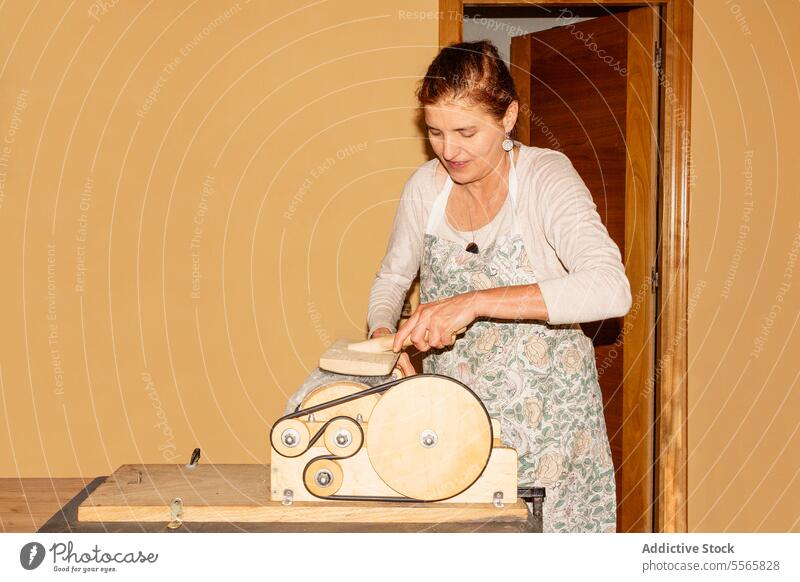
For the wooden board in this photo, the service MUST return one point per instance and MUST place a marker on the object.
(500, 475)
(341, 360)
(27, 503)
(240, 493)
(65, 520)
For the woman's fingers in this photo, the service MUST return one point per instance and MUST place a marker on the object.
(440, 338)
(403, 362)
(425, 329)
(449, 340)
(404, 331)
(405, 365)
(419, 337)
(381, 331)
(432, 337)
(419, 331)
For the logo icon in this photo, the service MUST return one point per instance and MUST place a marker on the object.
(31, 555)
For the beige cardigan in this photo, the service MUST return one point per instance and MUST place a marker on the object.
(576, 264)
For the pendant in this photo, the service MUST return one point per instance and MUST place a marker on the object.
(472, 248)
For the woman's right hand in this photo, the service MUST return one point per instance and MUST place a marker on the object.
(403, 362)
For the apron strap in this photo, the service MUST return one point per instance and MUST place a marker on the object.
(440, 204)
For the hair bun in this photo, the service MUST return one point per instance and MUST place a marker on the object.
(473, 71)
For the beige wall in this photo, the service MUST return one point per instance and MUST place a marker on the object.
(271, 160)
(744, 399)
(268, 161)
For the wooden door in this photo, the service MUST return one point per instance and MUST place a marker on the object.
(589, 89)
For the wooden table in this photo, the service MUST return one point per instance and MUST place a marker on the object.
(27, 503)
(140, 501)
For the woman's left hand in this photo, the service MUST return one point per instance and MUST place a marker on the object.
(441, 319)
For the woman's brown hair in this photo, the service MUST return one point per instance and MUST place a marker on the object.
(471, 70)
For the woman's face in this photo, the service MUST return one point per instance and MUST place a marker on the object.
(466, 138)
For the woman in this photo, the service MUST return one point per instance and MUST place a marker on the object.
(508, 242)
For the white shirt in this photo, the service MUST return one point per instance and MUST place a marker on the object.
(576, 263)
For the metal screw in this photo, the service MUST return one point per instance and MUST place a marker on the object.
(428, 438)
(175, 513)
(323, 477)
(343, 438)
(290, 437)
(498, 499)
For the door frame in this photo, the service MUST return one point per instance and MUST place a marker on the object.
(671, 397)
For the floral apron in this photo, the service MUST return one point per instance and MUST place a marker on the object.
(539, 380)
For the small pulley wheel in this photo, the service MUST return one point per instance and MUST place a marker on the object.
(323, 477)
(290, 437)
(343, 437)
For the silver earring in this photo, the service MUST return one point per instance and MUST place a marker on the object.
(508, 145)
